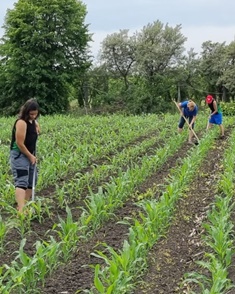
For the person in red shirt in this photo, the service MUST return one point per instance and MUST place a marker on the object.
(216, 117)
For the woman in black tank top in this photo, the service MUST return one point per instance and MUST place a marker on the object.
(23, 151)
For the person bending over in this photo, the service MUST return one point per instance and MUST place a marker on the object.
(216, 116)
(189, 111)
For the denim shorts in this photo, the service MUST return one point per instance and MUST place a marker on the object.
(22, 170)
(182, 122)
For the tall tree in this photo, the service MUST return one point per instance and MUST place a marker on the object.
(213, 63)
(187, 77)
(44, 47)
(159, 47)
(118, 51)
(227, 78)
(158, 52)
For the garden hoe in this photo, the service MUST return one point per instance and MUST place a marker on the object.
(34, 180)
(196, 143)
(208, 125)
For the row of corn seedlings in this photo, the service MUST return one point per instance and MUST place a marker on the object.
(26, 272)
(218, 235)
(124, 267)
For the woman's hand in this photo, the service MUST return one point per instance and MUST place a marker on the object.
(32, 159)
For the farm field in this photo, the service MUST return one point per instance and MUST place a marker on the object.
(123, 205)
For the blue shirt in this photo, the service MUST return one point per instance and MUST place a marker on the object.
(186, 111)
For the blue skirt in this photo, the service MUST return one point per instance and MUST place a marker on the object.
(216, 119)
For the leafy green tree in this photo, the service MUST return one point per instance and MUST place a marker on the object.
(118, 54)
(159, 47)
(145, 61)
(44, 47)
(159, 51)
(98, 85)
(227, 78)
(187, 77)
(212, 66)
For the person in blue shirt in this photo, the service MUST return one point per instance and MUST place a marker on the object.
(189, 111)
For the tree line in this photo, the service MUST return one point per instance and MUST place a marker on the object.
(44, 53)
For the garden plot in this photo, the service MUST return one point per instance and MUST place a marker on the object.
(143, 175)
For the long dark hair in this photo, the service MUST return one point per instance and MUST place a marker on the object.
(30, 105)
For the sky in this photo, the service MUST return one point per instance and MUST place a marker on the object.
(200, 20)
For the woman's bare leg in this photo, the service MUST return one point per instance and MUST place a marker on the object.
(20, 195)
(221, 130)
(28, 194)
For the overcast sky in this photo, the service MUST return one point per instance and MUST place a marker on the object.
(201, 20)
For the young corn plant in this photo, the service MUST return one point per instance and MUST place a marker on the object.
(23, 221)
(47, 256)
(26, 272)
(21, 275)
(96, 211)
(3, 232)
(8, 193)
(218, 281)
(5, 227)
(7, 207)
(40, 208)
(153, 224)
(219, 230)
(68, 234)
(121, 266)
(60, 194)
(6, 285)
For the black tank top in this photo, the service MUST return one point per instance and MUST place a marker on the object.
(211, 105)
(30, 138)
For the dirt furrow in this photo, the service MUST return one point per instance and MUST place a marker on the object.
(175, 255)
